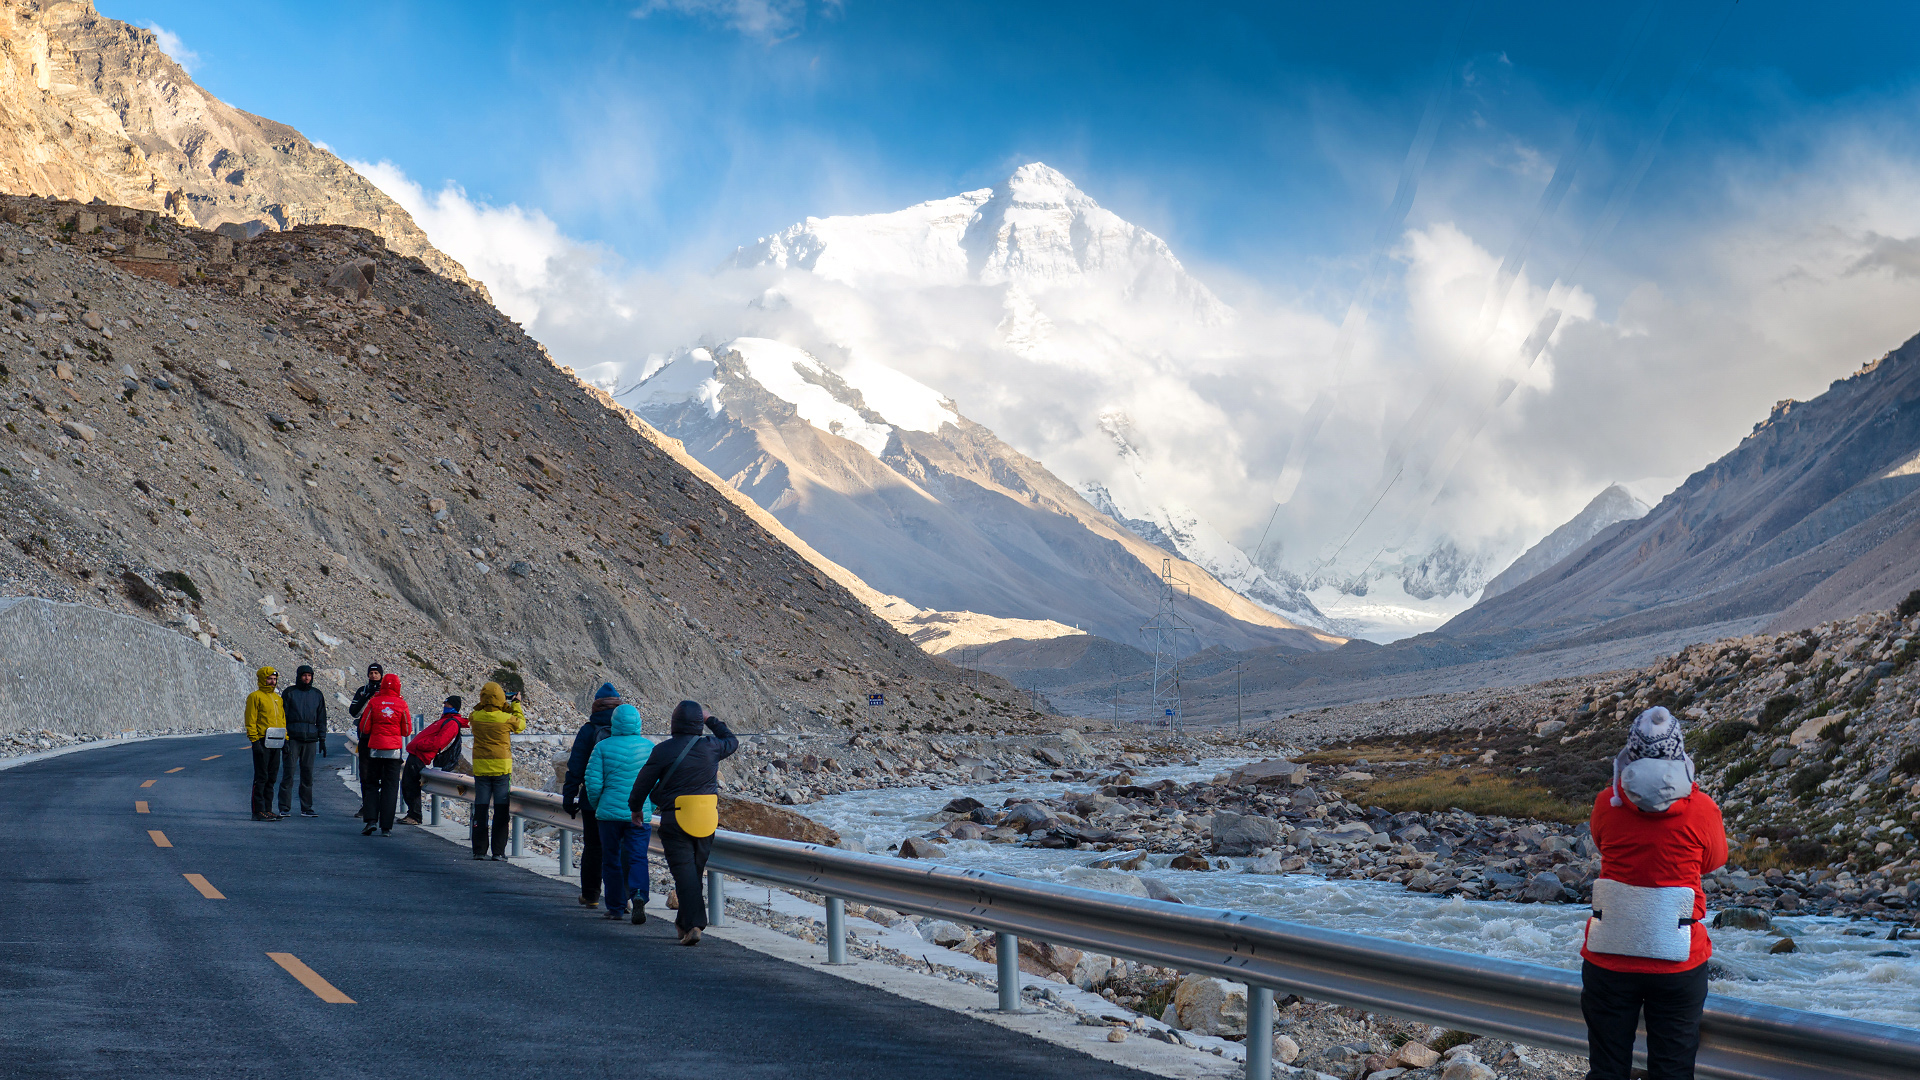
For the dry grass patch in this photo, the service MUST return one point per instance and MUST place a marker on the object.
(1472, 790)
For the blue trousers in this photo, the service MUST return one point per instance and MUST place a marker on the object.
(623, 862)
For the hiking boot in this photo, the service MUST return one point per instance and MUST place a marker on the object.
(499, 858)
(271, 816)
(479, 858)
(639, 915)
(369, 830)
(589, 901)
(386, 832)
(615, 915)
(409, 820)
(263, 817)
(691, 937)
(308, 813)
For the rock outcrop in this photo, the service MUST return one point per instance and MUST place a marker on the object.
(94, 110)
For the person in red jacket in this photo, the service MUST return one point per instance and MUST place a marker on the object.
(436, 747)
(385, 724)
(1646, 947)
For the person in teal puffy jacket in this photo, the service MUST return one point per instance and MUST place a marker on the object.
(615, 763)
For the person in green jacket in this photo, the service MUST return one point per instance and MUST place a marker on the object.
(267, 731)
(609, 780)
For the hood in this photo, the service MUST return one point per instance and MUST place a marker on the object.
(689, 718)
(626, 720)
(304, 671)
(263, 676)
(492, 697)
(390, 683)
(1654, 784)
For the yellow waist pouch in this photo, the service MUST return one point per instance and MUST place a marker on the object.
(697, 815)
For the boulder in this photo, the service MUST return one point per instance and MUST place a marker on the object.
(1466, 1068)
(1784, 945)
(353, 278)
(1415, 1055)
(141, 590)
(1270, 772)
(1205, 1005)
(1243, 834)
(945, 934)
(1130, 860)
(1285, 1050)
(915, 848)
(1157, 890)
(1093, 970)
(1050, 756)
(962, 805)
(1185, 861)
(1023, 816)
(1742, 918)
(1544, 887)
(741, 814)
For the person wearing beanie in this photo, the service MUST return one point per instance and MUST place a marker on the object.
(266, 721)
(1646, 949)
(361, 694)
(385, 724)
(599, 723)
(682, 780)
(611, 770)
(437, 746)
(495, 723)
(306, 711)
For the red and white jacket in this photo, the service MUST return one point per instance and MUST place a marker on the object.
(386, 722)
(1669, 849)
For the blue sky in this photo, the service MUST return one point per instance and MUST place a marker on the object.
(604, 157)
(1258, 137)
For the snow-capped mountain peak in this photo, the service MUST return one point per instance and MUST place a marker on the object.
(1035, 230)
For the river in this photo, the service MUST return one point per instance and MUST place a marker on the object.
(1832, 972)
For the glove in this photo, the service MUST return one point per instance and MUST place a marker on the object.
(323, 748)
(571, 806)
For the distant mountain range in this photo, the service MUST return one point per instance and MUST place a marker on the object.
(886, 478)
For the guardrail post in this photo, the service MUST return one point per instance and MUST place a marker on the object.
(716, 899)
(566, 855)
(519, 834)
(433, 811)
(836, 930)
(1259, 1033)
(1006, 955)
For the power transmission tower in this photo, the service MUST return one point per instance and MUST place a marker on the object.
(1163, 632)
(1239, 700)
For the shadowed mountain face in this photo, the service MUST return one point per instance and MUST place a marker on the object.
(93, 109)
(949, 518)
(1816, 513)
(1613, 505)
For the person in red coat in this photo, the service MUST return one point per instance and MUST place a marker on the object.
(385, 724)
(1646, 947)
(437, 747)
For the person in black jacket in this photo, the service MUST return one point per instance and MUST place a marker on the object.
(374, 674)
(306, 709)
(599, 723)
(682, 777)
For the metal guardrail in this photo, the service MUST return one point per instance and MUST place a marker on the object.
(1527, 1003)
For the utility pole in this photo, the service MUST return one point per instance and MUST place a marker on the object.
(1239, 699)
(1164, 631)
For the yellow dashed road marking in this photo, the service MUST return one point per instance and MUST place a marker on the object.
(146, 783)
(206, 889)
(180, 769)
(140, 806)
(210, 757)
(310, 979)
(159, 838)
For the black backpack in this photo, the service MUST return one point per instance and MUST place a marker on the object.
(450, 757)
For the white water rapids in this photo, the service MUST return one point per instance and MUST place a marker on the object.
(1831, 972)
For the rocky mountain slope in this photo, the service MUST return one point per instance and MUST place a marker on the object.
(1816, 488)
(1610, 507)
(93, 109)
(317, 450)
(888, 479)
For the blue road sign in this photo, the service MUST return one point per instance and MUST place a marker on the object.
(876, 701)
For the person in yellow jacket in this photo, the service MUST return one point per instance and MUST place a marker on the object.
(495, 722)
(267, 731)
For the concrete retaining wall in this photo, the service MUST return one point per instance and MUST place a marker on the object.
(79, 670)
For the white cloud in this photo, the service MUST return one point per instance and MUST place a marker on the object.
(176, 49)
(770, 19)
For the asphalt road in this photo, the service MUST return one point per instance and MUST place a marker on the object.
(114, 963)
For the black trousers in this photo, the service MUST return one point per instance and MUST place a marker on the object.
(366, 805)
(590, 854)
(1612, 1002)
(687, 862)
(299, 754)
(266, 766)
(380, 784)
(410, 785)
